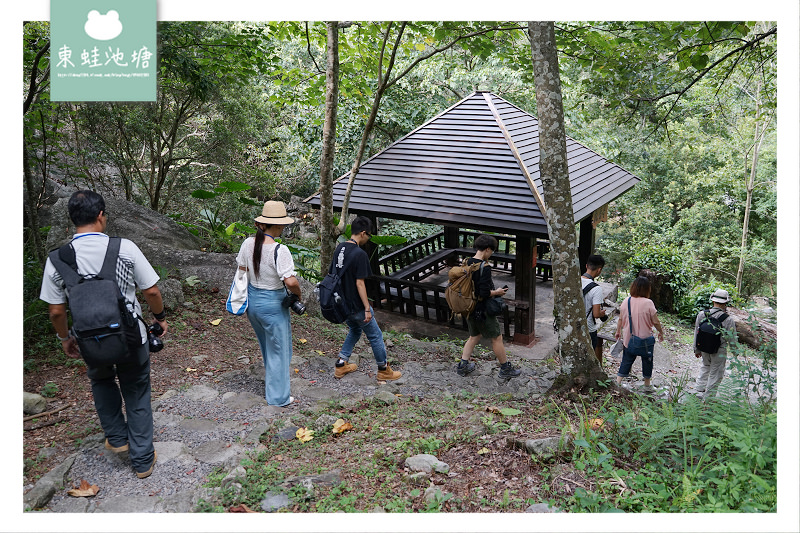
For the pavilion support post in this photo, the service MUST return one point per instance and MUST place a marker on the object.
(371, 284)
(585, 242)
(525, 279)
(451, 241)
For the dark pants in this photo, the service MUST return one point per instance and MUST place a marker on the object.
(134, 388)
(627, 362)
(597, 345)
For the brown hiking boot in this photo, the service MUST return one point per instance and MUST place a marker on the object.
(388, 374)
(116, 449)
(340, 371)
(142, 475)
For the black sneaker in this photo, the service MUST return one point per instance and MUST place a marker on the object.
(507, 371)
(465, 367)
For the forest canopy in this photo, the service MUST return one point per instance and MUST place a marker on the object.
(688, 107)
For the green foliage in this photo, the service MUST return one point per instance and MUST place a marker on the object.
(49, 390)
(665, 261)
(755, 370)
(698, 298)
(306, 261)
(695, 457)
(219, 235)
(37, 333)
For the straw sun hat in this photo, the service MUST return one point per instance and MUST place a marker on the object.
(274, 213)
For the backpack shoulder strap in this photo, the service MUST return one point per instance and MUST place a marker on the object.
(63, 260)
(109, 269)
(589, 286)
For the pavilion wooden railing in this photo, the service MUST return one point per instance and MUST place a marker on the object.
(398, 284)
(401, 264)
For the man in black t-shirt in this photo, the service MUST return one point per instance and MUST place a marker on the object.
(352, 265)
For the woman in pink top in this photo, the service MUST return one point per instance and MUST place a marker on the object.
(643, 317)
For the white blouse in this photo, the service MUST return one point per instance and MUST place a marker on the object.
(270, 278)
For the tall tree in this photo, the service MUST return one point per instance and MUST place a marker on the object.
(326, 224)
(37, 75)
(578, 364)
(446, 36)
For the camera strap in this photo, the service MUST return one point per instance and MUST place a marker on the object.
(275, 258)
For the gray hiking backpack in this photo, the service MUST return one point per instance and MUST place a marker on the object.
(106, 330)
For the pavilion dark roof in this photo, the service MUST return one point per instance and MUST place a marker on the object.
(476, 165)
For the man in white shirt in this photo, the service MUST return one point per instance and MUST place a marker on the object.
(132, 432)
(593, 301)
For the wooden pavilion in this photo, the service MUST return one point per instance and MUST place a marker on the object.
(474, 166)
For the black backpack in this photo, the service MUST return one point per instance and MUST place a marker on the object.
(332, 303)
(106, 331)
(709, 333)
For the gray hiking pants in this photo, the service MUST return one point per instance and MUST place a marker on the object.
(711, 373)
(134, 388)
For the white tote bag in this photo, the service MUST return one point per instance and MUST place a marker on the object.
(237, 296)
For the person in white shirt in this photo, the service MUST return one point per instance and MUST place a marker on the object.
(267, 275)
(133, 431)
(593, 301)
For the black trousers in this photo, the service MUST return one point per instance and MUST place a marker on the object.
(129, 381)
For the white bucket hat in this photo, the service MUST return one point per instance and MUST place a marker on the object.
(720, 296)
(274, 213)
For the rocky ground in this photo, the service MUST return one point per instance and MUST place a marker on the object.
(209, 408)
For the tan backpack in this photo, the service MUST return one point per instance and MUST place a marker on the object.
(460, 291)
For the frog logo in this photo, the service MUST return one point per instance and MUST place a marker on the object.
(103, 27)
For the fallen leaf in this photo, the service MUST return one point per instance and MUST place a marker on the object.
(296, 371)
(84, 490)
(340, 426)
(191, 369)
(303, 341)
(304, 434)
(483, 451)
(241, 508)
(320, 352)
(508, 411)
(595, 423)
(215, 322)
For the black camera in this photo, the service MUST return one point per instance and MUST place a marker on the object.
(292, 301)
(153, 339)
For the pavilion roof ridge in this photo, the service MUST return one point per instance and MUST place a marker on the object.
(476, 165)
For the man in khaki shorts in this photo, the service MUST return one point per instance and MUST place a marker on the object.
(479, 324)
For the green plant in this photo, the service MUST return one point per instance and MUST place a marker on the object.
(221, 236)
(683, 456)
(754, 370)
(666, 261)
(49, 390)
(698, 298)
(191, 281)
(37, 332)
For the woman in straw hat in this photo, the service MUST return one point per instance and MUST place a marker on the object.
(268, 274)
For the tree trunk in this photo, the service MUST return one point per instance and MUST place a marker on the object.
(579, 366)
(327, 229)
(32, 210)
(758, 139)
(383, 83)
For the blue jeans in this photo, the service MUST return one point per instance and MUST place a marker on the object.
(355, 323)
(273, 328)
(627, 362)
(136, 426)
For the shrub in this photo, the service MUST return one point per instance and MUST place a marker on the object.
(698, 298)
(665, 261)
